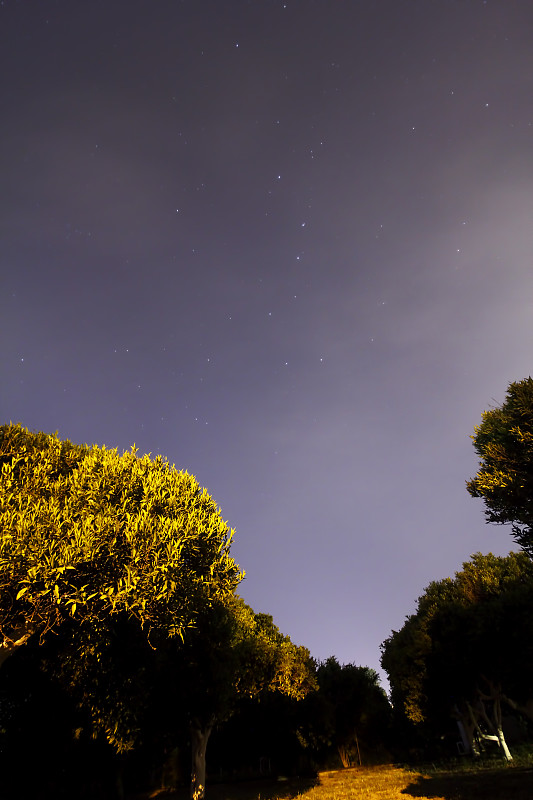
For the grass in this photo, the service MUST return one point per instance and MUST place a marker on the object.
(485, 782)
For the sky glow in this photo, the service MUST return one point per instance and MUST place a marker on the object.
(288, 247)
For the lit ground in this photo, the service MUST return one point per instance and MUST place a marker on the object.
(384, 783)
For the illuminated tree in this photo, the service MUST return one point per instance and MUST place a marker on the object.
(118, 555)
(504, 442)
(86, 533)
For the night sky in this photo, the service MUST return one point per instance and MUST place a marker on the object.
(287, 245)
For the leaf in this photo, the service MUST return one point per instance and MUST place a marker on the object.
(22, 592)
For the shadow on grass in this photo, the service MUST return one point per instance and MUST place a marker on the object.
(511, 783)
(246, 790)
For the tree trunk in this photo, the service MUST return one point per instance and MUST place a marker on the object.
(497, 713)
(467, 721)
(199, 737)
(494, 725)
(344, 756)
(503, 744)
(358, 751)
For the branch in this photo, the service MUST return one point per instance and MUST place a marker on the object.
(9, 646)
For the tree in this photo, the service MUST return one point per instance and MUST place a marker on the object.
(136, 696)
(89, 534)
(504, 442)
(233, 653)
(467, 649)
(108, 550)
(349, 712)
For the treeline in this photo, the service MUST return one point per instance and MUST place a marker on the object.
(345, 721)
(125, 648)
(461, 667)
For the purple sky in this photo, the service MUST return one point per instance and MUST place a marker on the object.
(286, 244)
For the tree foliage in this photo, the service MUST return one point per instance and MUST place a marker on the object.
(232, 654)
(467, 648)
(135, 695)
(504, 443)
(88, 533)
(126, 560)
(349, 713)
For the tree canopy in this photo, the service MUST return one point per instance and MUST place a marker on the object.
(127, 561)
(349, 713)
(467, 648)
(232, 654)
(504, 443)
(88, 533)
